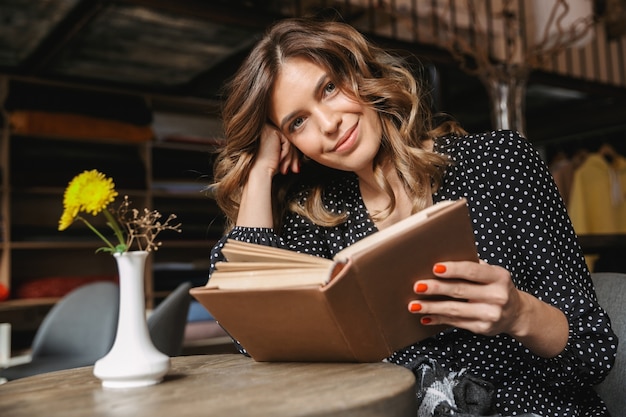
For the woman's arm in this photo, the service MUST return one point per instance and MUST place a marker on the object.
(527, 231)
(255, 221)
(275, 153)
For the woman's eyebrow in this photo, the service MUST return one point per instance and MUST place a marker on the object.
(318, 86)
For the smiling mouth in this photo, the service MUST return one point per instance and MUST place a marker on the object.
(347, 140)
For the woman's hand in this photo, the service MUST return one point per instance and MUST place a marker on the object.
(276, 154)
(486, 302)
(492, 305)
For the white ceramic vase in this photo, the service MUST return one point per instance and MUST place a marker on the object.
(133, 361)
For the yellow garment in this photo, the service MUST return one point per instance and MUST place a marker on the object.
(597, 204)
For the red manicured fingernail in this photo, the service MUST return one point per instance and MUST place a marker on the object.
(415, 307)
(439, 269)
(426, 320)
(421, 287)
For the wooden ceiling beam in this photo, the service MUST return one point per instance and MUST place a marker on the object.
(253, 17)
(60, 36)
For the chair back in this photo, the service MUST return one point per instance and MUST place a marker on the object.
(167, 322)
(82, 324)
(611, 291)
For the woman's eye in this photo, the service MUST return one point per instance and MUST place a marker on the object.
(330, 87)
(297, 122)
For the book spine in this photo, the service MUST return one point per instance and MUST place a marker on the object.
(355, 317)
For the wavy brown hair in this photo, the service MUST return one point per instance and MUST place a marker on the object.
(361, 70)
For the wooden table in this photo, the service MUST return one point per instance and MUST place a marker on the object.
(221, 385)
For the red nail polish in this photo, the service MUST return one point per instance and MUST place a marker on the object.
(421, 287)
(439, 269)
(426, 320)
(415, 307)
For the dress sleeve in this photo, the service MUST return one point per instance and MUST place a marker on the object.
(553, 267)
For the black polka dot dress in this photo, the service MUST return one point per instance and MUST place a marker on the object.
(521, 224)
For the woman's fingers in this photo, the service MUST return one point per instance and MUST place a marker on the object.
(466, 281)
(478, 272)
(289, 157)
(474, 296)
(276, 153)
(480, 318)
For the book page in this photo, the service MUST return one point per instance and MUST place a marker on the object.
(236, 266)
(236, 251)
(266, 279)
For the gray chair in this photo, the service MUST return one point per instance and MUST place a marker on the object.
(76, 332)
(611, 290)
(167, 322)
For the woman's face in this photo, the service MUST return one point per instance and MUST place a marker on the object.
(321, 121)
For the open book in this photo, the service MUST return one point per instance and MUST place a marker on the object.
(286, 306)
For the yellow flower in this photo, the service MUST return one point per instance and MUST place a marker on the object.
(68, 217)
(90, 192)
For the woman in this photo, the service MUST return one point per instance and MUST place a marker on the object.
(329, 139)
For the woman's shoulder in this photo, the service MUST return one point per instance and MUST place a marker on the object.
(497, 137)
(492, 142)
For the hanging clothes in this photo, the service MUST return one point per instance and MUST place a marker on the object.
(597, 204)
(562, 170)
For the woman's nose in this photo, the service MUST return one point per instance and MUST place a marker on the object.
(329, 120)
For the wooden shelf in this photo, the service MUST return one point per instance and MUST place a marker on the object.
(166, 176)
(25, 303)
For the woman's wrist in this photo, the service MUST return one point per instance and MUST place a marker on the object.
(540, 327)
(255, 209)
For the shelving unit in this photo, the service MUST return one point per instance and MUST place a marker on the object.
(167, 176)
(180, 175)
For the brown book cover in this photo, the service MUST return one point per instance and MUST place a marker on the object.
(356, 310)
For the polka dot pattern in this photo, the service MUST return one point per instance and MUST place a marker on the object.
(521, 224)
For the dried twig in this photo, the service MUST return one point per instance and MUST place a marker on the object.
(143, 228)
